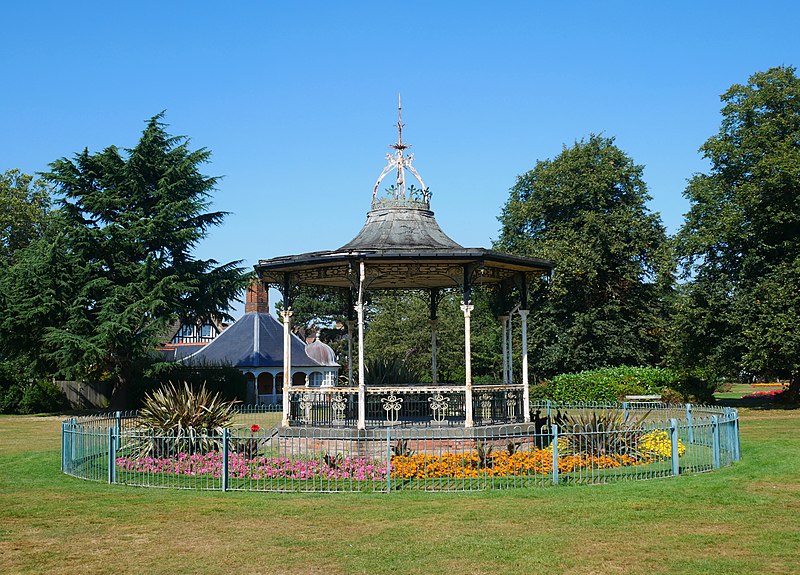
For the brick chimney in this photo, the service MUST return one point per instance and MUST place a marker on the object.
(257, 297)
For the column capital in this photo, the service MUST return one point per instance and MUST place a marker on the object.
(467, 309)
(524, 312)
(287, 314)
(503, 317)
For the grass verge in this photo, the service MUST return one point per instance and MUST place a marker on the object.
(740, 519)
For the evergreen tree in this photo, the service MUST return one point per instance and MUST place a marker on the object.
(98, 297)
(740, 243)
(605, 304)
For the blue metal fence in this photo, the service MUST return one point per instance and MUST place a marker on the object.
(564, 444)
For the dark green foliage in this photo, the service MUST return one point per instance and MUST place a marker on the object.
(19, 393)
(697, 386)
(606, 303)
(740, 244)
(227, 381)
(398, 327)
(389, 371)
(96, 296)
(609, 384)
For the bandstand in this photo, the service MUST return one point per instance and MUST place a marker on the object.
(402, 247)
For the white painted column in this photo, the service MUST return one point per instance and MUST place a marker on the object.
(362, 384)
(526, 392)
(504, 323)
(467, 309)
(350, 353)
(434, 329)
(287, 363)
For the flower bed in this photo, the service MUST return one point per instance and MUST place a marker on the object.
(242, 467)
(762, 394)
(654, 446)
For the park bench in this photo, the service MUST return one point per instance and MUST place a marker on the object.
(643, 398)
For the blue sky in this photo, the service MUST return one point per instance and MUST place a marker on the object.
(297, 101)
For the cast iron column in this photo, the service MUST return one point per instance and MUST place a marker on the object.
(287, 363)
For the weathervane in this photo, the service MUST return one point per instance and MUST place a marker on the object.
(396, 195)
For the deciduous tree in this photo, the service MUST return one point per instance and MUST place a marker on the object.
(740, 243)
(586, 210)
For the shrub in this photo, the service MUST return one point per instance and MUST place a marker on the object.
(41, 397)
(610, 384)
(21, 393)
(697, 386)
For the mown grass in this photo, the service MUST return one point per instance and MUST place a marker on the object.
(741, 519)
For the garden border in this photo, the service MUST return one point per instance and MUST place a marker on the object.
(256, 454)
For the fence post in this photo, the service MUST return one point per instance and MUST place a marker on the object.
(737, 448)
(118, 416)
(388, 460)
(548, 410)
(112, 456)
(554, 444)
(715, 433)
(225, 437)
(673, 427)
(63, 446)
(690, 430)
(624, 410)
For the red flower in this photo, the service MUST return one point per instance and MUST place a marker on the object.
(254, 427)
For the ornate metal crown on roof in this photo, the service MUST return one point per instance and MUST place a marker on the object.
(398, 195)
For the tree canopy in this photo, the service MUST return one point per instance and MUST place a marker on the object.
(98, 294)
(740, 243)
(606, 302)
(24, 206)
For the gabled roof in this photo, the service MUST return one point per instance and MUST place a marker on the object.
(254, 340)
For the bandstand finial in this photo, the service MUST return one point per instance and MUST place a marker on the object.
(398, 195)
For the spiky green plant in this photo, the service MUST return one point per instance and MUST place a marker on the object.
(602, 432)
(178, 419)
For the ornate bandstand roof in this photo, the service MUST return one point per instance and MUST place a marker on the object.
(401, 243)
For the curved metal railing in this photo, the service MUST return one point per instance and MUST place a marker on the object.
(563, 444)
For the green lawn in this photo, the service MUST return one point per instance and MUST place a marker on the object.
(741, 519)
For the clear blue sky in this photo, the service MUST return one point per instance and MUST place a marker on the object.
(297, 100)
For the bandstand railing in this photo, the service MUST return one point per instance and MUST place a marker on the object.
(405, 405)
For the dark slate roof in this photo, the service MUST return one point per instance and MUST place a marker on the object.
(254, 340)
(401, 229)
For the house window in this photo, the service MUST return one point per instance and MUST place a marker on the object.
(315, 379)
(207, 330)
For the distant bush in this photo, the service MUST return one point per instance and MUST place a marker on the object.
(697, 386)
(227, 381)
(21, 394)
(609, 384)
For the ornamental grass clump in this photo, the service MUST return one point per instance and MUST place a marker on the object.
(177, 419)
(603, 432)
